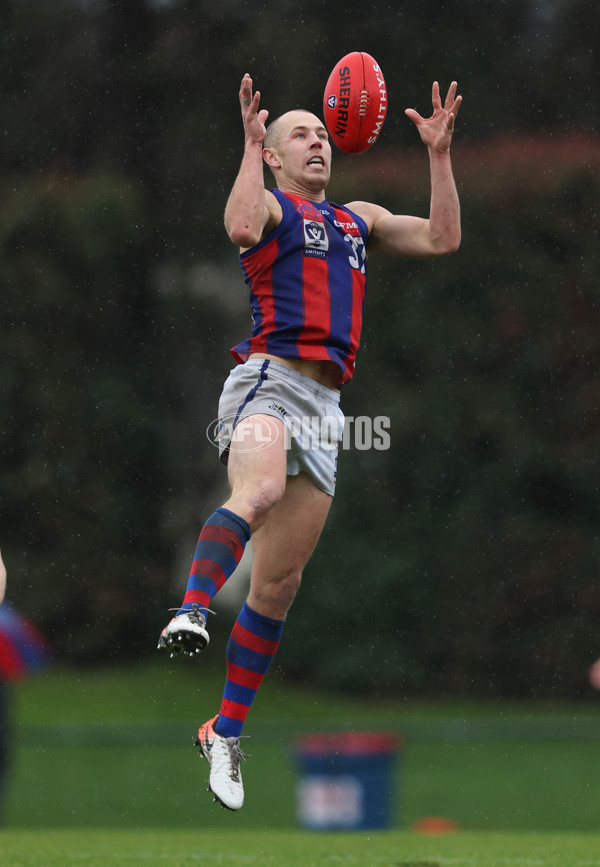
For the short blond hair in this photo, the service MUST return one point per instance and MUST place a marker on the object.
(274, 129)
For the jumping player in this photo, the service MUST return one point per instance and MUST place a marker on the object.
(304, 259)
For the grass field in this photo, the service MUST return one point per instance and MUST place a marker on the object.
(104, 773)
(104, 848)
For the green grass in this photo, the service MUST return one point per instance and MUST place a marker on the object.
(481, 786)
(102, 848)
(111, 748)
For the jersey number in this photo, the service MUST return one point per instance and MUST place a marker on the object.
(359, 254)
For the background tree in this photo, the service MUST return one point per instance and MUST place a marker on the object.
(464, 559)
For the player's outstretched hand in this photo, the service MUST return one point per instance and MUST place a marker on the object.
(436, 131)
(254, 120)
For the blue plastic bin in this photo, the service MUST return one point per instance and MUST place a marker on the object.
(347, 780)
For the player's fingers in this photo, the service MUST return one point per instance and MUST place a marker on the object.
(246, 91)
(413, 115)
(456, 106)
(450, 98)
(435, 95)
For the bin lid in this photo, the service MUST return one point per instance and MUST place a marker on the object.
(347, 743)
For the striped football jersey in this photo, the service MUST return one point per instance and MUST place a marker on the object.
(307, 282)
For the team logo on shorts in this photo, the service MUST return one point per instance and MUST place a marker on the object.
(316, 242)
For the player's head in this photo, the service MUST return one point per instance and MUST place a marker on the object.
(298, 152)
(278, 127)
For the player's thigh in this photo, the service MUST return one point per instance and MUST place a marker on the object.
(285, 542)
(257, 456)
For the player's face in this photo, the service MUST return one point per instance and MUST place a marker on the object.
(304, 151)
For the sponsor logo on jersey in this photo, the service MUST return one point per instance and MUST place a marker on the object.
(350, 227)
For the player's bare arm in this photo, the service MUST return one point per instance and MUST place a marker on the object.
(251, 210)
(413, 237)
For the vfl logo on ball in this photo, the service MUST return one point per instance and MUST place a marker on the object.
(332, 100)
(316, 242)
(252, 434)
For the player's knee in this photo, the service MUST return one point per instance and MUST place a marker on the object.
(275, 597)
(283, 592)
(262, 499)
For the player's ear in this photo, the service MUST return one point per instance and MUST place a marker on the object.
(271, 158)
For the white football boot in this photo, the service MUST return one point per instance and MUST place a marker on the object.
(186, 633)
(224, 757)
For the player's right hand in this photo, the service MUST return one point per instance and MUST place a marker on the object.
(254, 120)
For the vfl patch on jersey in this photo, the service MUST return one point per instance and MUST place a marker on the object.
(316, 242)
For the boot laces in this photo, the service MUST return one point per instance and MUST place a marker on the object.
(195, 613)
(236, 755)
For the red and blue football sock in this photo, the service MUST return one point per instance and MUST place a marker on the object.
(253, 643)
(220, 547)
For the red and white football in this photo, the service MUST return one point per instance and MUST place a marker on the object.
(355, 102)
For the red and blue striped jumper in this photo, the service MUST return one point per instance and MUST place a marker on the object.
(307, 282)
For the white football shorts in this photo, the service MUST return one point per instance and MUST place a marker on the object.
(314, 422)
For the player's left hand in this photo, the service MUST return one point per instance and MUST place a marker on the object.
(436, 131)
